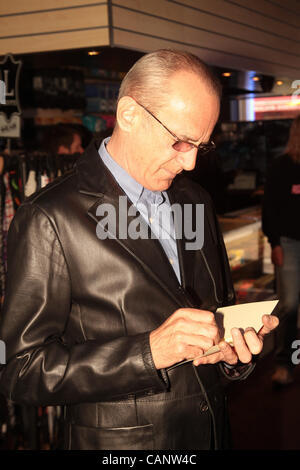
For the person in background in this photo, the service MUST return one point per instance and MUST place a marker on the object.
(63, 139)
(281, 210)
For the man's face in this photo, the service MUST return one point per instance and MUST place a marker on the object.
(191, 113)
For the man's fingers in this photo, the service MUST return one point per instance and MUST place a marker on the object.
(211, 359)
(240, 346)
(244, 344)
(189, 326)
(184, 335)
(192, 352)
(253, 341)
(270, 322)
(184, 341)
(194, 314)
(228, 352)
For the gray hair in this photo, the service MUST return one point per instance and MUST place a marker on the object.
(147, 80)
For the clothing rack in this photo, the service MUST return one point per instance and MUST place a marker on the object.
(22, 174)
(41, 163)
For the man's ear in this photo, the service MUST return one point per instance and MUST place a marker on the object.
(126, 113)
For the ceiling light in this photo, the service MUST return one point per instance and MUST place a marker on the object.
(226, 74)
(279, 82)
(93, 53)
(256, 78)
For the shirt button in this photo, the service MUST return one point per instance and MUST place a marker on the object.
(203, 407)
(171, 260)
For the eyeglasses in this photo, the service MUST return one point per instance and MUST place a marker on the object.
(182, 145)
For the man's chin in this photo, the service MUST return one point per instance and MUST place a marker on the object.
(163, 185)
(160, 185)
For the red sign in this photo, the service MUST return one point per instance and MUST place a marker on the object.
(275, 107)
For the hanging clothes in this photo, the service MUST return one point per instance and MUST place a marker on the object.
(9, 210)
(45, 179)
(21, 175)
(31, 184)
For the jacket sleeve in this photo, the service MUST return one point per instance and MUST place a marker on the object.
(41, 368)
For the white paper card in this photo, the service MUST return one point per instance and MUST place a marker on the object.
(241, 316)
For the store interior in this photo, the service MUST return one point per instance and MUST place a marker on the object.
(79, 88)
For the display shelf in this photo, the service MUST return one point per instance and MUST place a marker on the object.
(249, 255)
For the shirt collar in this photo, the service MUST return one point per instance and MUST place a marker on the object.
(134, 190)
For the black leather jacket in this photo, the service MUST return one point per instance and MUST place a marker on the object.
(78, 312)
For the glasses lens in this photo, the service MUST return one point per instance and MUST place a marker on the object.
(181, 146)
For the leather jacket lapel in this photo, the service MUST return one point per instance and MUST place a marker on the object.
(94, 179)
(186, 257)
(147, 251)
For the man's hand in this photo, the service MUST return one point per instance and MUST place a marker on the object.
(244, 345)
(186, 334)
(189, 332)
(277, 255)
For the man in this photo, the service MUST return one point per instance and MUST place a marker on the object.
(105, 324)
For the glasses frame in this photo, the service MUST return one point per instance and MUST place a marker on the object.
(203, 148)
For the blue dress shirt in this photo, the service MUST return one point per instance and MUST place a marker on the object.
(154, 206)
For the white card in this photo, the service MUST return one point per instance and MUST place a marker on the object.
(241, 316)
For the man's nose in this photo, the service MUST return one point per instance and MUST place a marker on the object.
(188, 159)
